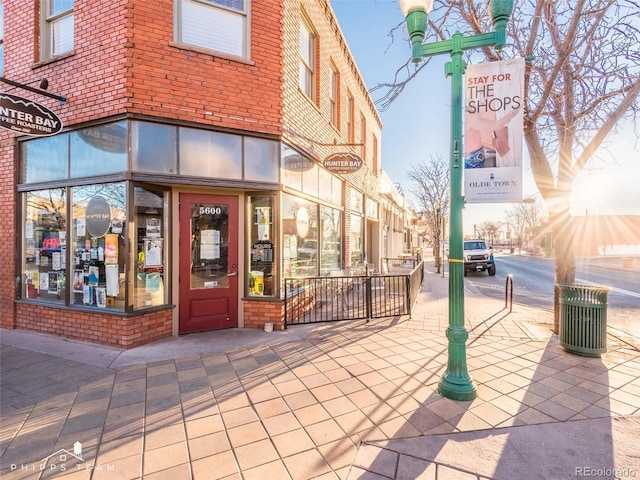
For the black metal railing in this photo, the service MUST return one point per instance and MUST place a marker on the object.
(361, 294)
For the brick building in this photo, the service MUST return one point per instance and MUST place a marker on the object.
(187, 179)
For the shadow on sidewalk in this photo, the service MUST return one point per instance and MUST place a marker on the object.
(540, 413)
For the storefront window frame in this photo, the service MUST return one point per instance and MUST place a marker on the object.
(68, 259)
(260, 250)
(33, 277)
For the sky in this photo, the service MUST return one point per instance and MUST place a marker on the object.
(417, 125)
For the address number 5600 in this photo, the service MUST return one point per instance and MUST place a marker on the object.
(210, 210)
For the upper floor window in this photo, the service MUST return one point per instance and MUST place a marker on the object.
(374, 155)
(219, 25)
(363, 137)
(308, 40)
(57, 25)
(350, 119)
(334, 97)
(1, 38)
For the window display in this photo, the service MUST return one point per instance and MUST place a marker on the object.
(84, 262)
(98, 245)
(300, 234)
(44, 245)
(331, 241)
(151, 230)
(260, 277)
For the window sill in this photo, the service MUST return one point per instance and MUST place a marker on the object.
(54, 59)
(211, 53)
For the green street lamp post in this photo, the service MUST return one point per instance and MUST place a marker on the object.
(455, 383)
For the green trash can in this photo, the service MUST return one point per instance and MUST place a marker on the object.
(583, 319)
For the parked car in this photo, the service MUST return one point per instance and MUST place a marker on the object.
(478, 258)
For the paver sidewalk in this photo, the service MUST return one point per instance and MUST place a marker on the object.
(340, 400)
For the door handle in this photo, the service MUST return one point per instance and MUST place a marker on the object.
(232, 274)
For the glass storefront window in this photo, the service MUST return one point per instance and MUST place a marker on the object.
(356, 240)
(154, 148)
(293, 165)
(337, 186)
(357, 200)
(46, 159)
(97, 246)
(310, 181)
(331, 240)
(150, 230)
(325, 192)
(261, 160)
(44, 245)
(300, 236)
(210, 154)
(99, 150)
(263, 248)
(86, 261)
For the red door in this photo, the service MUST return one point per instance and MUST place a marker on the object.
(208, 262)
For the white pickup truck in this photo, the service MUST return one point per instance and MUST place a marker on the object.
(477, 257)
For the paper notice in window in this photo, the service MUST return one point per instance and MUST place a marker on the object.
(111, 272)
(209, 244)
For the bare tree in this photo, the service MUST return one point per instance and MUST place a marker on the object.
(585, 78)
(489, 231)
(523, 216)
(430, 185)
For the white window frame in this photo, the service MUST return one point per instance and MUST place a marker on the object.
(64, 20)
(351, 134)
(334, 97)
(235, 40)
(363, 137)
(308, 62)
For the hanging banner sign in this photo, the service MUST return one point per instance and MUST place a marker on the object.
(342, 163)
(493, 131)
(27, 117)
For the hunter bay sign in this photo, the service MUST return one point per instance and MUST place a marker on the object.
(27, 117)
(342, 163)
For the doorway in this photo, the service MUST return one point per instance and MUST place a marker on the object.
(208, 262)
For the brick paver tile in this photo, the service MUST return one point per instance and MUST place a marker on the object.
(306, 465)
(292, 442)
(219, 466)
(282, 423)
(208, 445)
(325, 431)
(164, 436)
(254, 454)
(377, 460)
(248, 433)
(239, 416)
(272, 470)
(164, 457)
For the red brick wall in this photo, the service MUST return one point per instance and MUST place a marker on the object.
(125, 61)
(259, 312)
(8, 215)
(187, 83)
(94, 326)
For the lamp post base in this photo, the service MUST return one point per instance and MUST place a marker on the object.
(459, 389)
(456, 383)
